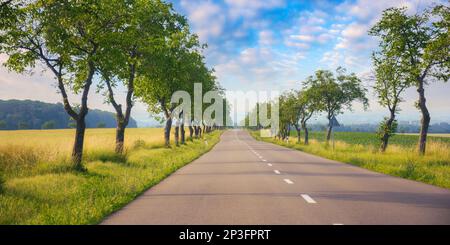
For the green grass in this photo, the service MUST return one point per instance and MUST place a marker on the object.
(42, 190)
(371, 139)
(401, 158)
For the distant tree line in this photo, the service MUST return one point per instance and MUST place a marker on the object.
(27, 114)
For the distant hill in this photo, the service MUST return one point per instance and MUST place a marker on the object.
(28, 114)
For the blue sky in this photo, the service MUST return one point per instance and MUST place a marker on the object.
(275, 44)
(272, 45)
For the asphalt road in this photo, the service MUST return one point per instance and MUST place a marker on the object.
(244, 181)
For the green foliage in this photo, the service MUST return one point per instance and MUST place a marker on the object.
(390, 82)
(3, 124)
(336, 92)
(385, 129)
(416, 49)
(49, 125)
(176, 63)
(422, 47)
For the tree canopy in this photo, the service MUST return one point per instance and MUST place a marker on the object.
(336, 92)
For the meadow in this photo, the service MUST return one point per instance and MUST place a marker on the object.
(40, 187)
(371, 139)
(401, 158)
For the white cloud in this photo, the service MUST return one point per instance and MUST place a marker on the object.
(304, 38)
(207, 19)
(250, 8)
(310, 28)
(369, 11)
(260, 67)
(325, 37)
(296, 44)
(266, 38)
(355, 31)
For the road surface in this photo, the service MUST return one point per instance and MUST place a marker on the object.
(244, 181)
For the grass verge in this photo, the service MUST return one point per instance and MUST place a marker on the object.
(51, 193)
(398, 160)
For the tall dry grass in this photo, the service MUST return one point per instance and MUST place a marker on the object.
(31, 152)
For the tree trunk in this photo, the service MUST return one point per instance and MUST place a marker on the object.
(329, 133)
(183, 133)
(191, 132)
(120, 137)
(425, 122)
(122, 120)
(177, 133)
(77, 152)
(386, 135)
(306, 134)
(297, 128)
(167, 131)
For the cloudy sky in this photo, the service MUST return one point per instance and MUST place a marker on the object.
(273, 45)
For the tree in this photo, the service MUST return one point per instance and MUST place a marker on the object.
(422, 42)
(296, 108)
(8, 12)
(3, 124)
(290, 108)
(168, 68)
(308, 104)
(285, 117)
(141, 27)
(389, 85)
(336, 93)
(49, 125)
(65, 36)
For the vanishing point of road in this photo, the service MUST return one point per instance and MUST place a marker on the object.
(244, 181)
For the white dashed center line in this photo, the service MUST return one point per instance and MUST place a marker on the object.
(288, 181)
(308, 199)
(337, 224)
(269, 164)
(263, 160)
(277, 172)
